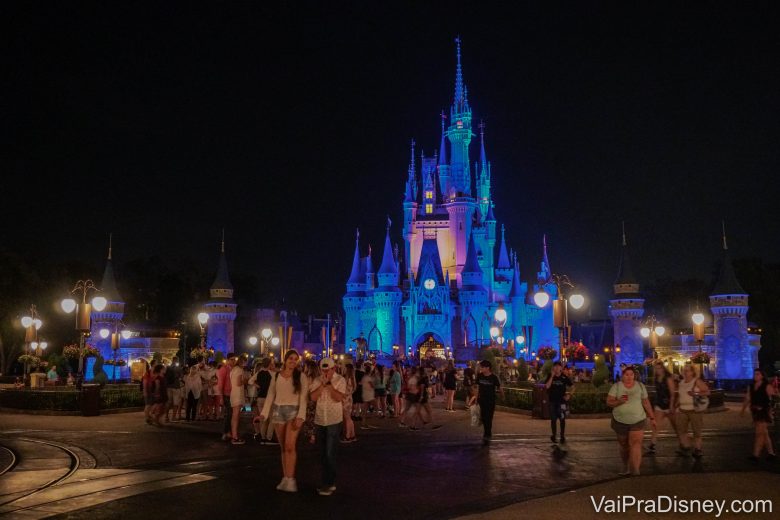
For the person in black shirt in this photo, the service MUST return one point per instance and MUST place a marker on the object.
(557, 394)
(487, 384)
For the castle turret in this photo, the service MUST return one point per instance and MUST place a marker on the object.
(503, 277)
(109, 317)
(735, 357)
(387, 299)
(221, 308)
(355, 296)
(626, 309)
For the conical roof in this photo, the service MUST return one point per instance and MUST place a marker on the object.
(222, 280)
(355, 275)
(727, 280)
(388, 261)
(472, 263)
(625, 274)
(503, 256)
(108, 285)
(516, 291)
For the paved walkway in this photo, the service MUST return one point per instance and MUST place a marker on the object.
(124, 466)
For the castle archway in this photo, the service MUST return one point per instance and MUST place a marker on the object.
(430, 345)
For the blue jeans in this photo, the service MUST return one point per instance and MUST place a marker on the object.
(329, 440)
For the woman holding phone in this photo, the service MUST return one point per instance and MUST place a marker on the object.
(630, 409)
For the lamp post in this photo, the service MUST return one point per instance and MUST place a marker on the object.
(203, 319)
(116, 337)
(653, 330)
(560, 308)
(83, 316)
(698, 334)
(265, 334)
(31, 324)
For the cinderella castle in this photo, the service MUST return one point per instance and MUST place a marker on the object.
(457, 287)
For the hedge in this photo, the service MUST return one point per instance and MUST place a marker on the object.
(68, 398)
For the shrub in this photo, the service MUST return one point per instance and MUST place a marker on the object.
(600, 372)
(522, 370)
(546, 370)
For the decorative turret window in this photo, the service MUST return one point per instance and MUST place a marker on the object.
(459, 124)
(428, 209)
(429, 195)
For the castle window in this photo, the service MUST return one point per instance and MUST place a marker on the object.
(429, 195)
(459, 123)
(429, 284)
(428, 209)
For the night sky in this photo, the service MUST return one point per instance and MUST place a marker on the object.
(290, 127)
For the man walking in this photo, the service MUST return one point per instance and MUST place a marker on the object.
(224, 387)
(487, 384)
(558, 385)
(328, 391)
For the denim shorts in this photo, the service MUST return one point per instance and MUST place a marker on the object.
(284, 413)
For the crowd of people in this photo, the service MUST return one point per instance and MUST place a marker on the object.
(327, 402)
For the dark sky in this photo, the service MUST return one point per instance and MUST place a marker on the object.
(289, 125)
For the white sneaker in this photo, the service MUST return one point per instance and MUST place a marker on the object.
(292, 486)
(225, 436)
(282, 484)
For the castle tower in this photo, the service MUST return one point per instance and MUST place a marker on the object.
(626, 309)
(354, 299)
(545, 332)
(114, 311)
(387, 299)
(735, 357)
(443, 167)
(221, 308)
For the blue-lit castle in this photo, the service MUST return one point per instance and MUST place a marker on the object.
(456, 270)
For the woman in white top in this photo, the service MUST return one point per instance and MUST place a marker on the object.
(193, 386)
(237, 397)
(688, 390)
(286, 404)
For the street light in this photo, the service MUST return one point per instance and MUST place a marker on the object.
(266, 334)
(32, 325)
(83, 315)
(203, 319)
(560, 308)
(652, 330)
(698, 328)
(116, 337)
(252, 340)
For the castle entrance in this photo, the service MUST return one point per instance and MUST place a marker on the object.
(431, 346)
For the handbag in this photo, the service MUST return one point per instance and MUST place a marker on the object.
(700, 402)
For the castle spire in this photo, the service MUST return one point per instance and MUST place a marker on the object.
(727, 282)
(459, 90)
(222, 288)
(108, 285)
(471, 265)
(354, 276)
(503, 257)
(545, 274)
(516, 291)
(625, 274)
(412, 169)
(482, 154)
(388, 262)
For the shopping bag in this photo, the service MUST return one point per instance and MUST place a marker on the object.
(476, 417)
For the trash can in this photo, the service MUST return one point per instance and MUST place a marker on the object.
(90, 400)
(541, 409)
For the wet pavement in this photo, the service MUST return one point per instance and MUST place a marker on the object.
(129, 469)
